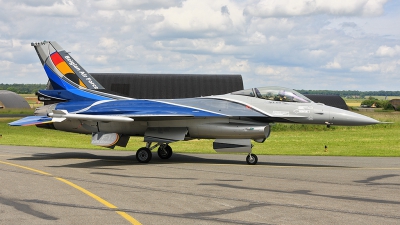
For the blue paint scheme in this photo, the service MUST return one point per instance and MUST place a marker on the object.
(133, 107)
(86, 101)
(66, 95)
(232, 119)
(67, 91)
(73, 106)
(83, 100)
(56, 81)
(189, 107)
(225, 107)
(31, 120)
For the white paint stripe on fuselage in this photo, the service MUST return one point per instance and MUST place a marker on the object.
(223, 97)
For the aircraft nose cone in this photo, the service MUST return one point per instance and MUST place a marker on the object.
(348, 118)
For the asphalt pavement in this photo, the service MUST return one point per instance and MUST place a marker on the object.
(74, 186)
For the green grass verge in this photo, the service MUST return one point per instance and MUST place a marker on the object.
(9, 111)
(285, 139)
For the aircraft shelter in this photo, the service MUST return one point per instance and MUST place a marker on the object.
(9, 99)
(169, 86)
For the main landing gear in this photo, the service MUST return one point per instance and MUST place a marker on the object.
(144, 155)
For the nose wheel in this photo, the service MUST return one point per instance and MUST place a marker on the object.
(251, 159)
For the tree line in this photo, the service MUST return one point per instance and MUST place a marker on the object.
(32, 88)
(23, 88)
(374, 102)
(351, 94)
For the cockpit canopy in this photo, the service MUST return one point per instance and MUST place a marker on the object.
(274, 94)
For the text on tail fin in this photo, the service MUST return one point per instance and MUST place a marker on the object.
(64, 66)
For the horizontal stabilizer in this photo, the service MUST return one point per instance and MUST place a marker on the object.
(31, 120)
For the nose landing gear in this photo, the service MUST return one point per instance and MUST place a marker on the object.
(251, 159)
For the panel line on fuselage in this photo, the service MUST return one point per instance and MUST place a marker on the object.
(239, 102)
(186, 106)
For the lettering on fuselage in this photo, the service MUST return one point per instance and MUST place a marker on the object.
(280, 113)
(276, 102)
(303, 109)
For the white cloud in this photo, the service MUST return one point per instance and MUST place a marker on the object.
(289, 8)
(390, 67)
(199, 46)
(257, 38)
(373, 7)
(203, 17)
(59, 8)
(107, 42)
(239, 67)
(388, 51)
(5, 43)
(82, 25)
(300, 44)
(4, 64)
(366, 68)
(16, 43)
(333, 65)
(136, 4)
(102, 59)
(268, 70)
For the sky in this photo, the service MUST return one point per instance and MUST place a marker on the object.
(300, 44)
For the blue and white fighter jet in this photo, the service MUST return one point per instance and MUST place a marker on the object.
(233, 119)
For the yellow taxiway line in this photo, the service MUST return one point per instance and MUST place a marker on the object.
(97, 198)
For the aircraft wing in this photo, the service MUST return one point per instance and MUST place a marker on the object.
(61, 115)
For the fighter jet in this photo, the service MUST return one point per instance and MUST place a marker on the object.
(233, 119)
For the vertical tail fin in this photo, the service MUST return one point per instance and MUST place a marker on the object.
(68, 79)
(60, 65)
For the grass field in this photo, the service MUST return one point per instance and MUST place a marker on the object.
(285, 139)
(10, 111)
(32, 100)
(357, 102)
(384, 97)
(353, 102)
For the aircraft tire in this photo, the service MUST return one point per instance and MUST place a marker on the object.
(143, 155)
(164, 151)
(252, 160)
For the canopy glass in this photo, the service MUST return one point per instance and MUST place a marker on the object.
(274, 94)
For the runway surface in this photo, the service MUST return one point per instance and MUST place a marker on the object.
(73, 186)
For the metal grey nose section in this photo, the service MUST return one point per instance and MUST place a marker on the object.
(347, 118)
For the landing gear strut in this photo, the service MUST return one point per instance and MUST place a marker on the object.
(144, 155)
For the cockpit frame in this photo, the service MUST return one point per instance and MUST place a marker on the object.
(274, 93)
